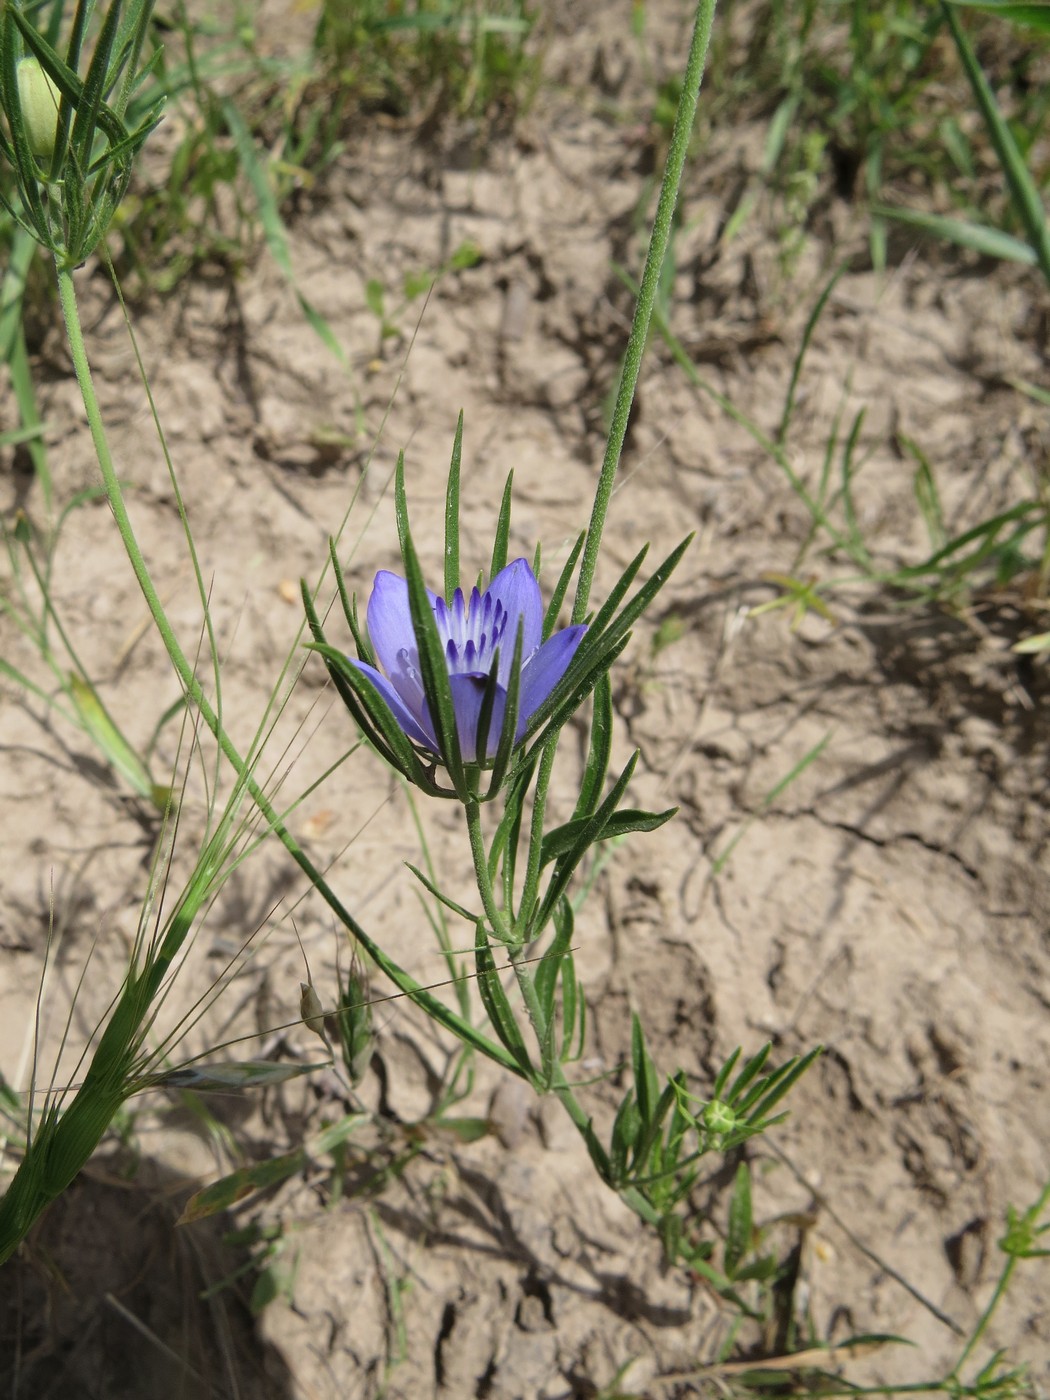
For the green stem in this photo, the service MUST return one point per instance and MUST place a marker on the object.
(986, 1317)
(554, 1074)
(530, 889)
(1031, 1216)
(497, 919)
(552, 1070)
(407, 984)
(658, 243)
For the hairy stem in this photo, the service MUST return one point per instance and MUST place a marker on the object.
(498, 921)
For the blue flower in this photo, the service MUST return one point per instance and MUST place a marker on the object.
(471, 631)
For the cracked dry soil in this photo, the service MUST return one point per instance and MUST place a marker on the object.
(892, 903)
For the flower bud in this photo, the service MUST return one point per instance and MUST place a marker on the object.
(719, 1117)
(38, 98)
(311, 1010)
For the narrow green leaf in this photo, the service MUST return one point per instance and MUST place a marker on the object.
(849, 512)
(98, 722)
(566, 864)
(433, 668)
(502, 536)
(229, 1190)
(550, 620)
(93, 94)
(617, 593)
(764, 1270)
(633, 610)
(362, 641)
(504, 848)
(605, 637)
(563, 704)
(718, 1088)
(626, 1127)
(431, 657)
(563, 838)
(927, 497)
(497, 1007)
(18, 151)
(987, 532)
(452, 513)
(24, 683)
(646, 1086)
(222, 1195)
(980, 238)
(375, 298)
(443, 898)
(1033, 391)
(1036, 15)
(1023, 190)
(573, 1012)
(807, 335)
(127, 67)
(369, 710)
(546, 975)
(752, 1068)
(598, 751)
(738, 1235)
(661, 235)
(463, 1129)
(508, 734)
(791, 1073)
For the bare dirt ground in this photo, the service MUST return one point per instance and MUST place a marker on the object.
(891, 904)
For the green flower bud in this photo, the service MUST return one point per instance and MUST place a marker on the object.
(38, 98)
(719, 1117)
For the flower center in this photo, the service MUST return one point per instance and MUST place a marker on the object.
(471, 631)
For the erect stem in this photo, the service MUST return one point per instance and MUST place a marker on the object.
(407, 984)
(498, 921)
(529, 891)
(553, 1073)
(658, 243)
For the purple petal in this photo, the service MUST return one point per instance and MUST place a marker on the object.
(544, 670)
(390, 628)
(468, 692)
(404, 717)
(390, 622)
(516, 588)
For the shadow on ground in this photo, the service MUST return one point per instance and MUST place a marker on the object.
(107, 1299)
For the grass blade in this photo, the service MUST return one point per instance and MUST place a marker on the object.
(1026, 198)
